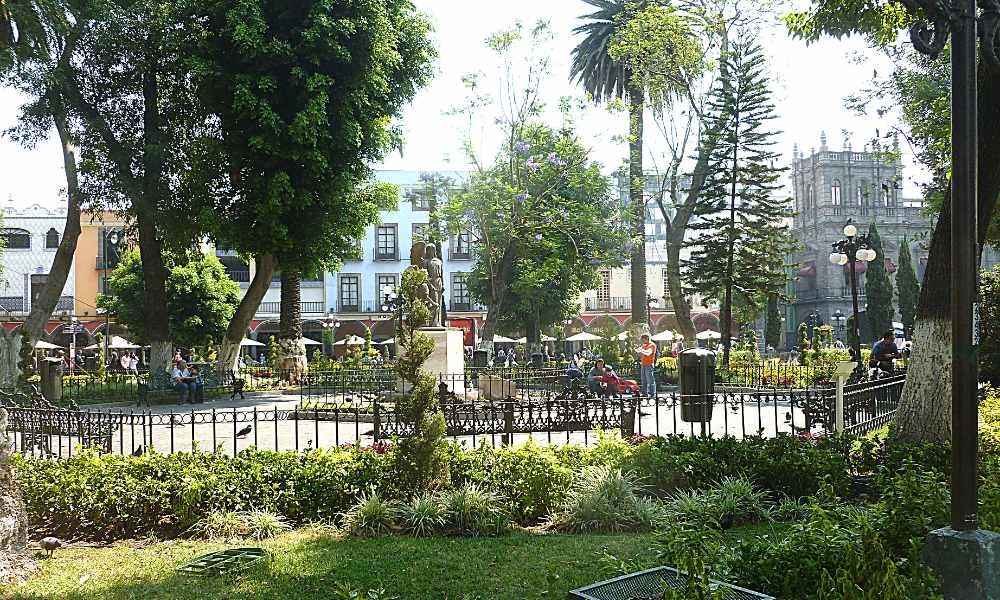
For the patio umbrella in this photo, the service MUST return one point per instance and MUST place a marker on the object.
(249, 342)
(351, 340)
(387, 342)
(544, 338)
(622, 336)
(42, 345)
(583, 336)
(120, 343)
(521, 340)
(500, 339)
(708, 334)
(663, 336)
(548, 338)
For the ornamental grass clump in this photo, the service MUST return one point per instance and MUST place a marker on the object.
(606, 499)
(252, 524)
(371, 516)
(423, 516)
(475, 510)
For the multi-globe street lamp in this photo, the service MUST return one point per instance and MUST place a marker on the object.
(392, 304)
(849, 251)
(332, 324)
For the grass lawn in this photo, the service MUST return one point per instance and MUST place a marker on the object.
(307, 563)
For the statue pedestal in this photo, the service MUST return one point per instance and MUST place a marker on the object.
(448, 358)
(447, 361)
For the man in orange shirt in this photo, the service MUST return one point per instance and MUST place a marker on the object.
(647, 364)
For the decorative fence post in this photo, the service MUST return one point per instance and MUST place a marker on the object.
(508, 422)
(844, 370)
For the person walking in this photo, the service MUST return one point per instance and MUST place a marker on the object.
(647, 365)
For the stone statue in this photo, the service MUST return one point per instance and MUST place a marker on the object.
(435, 283)
(417, 252)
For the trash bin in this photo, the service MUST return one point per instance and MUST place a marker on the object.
(697, 384)
(537, 360)
(50, 370)
(480, 358)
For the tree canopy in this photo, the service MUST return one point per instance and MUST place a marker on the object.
(200, 300)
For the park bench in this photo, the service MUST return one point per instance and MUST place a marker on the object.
(211, 382)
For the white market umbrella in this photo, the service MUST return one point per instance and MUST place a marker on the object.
(521, 340)
(548, 338)
(249, 342)
(583, 336)
(120, 343)
(501, 339)
(351, 340)
(388, 342)
(622, 336)
(708, 334)
(43, 345)
(663, 336)
(544, 338)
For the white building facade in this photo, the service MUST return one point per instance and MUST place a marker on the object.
(31, 237)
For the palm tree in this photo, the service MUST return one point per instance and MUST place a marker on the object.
(605, 79)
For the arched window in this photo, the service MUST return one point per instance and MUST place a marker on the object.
(16, 239)
(887, 193)
(835, 193)
(52, 238)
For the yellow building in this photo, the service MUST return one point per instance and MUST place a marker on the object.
(97, 254)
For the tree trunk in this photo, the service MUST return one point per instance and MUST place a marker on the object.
(290, 327)
(146, 208)
(682, 310)
(229, 350)
(925, 406)
(637, 204)
(497, 301)
(726, 318)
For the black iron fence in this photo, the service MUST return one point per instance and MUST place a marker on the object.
(484, 409)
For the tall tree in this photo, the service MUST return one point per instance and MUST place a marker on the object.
(301, 98)
(742, 238)
(543, 231)
(290, 319)
(925, 406)
(907, 287)
(772, 323)
(607, 79)
(878, 290)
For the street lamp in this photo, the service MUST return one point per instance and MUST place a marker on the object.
(650, 303)
(839, 319)
(392, 304)
(74, 323)
(849, 251)
(333, 324)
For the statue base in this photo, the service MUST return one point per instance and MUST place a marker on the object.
(447, 361)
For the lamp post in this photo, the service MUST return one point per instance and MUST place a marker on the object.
(849, 251)
(392, 303)
(331, 324)
(839, 319)
(74, 323)
(650, 303)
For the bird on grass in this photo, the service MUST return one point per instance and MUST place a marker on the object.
(139, 451)
(49, 544)
(242, 433)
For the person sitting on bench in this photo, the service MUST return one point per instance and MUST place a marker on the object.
(184, 383)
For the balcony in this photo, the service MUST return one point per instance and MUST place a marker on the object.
(385, 256)
(65, 303)
(612, 303)
(239, 275)
(224, 252)
(305, 308)
(105, 262)
(460, 254)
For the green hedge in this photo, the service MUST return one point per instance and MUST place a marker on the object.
(111, 497)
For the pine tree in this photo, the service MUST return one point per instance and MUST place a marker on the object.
(737, 256)
(878, 290)
(907, 287)
(772, 323)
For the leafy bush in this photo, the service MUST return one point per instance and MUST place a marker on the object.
(605, 499)
(371, 516)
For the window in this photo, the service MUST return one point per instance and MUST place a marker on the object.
(420, 231)
(388, 279)
(604, 289)
(421, 200)
(461, 245)
(835, 193)
(386, 247)
(16, 239)
(460, 299)
(350, 293)
(52, 239)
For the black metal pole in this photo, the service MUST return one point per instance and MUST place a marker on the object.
(852, 250)
(964, 365)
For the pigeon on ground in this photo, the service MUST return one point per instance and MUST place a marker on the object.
(139, 451)
(242, 433)
(49, 544)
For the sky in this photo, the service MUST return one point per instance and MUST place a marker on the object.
(809, 84)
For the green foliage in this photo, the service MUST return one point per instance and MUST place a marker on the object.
(772, 323)
(424, 515)
(474, 510)
(201, 298)
(878, 290)
(371, 516)
(544, 225)
(602, 498)
(306, 97)
(907, 287)
(989, 321)
(102, 359)
(422, 457)
(737, 256)
(253, 524)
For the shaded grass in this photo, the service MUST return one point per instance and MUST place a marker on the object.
(308, 563)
